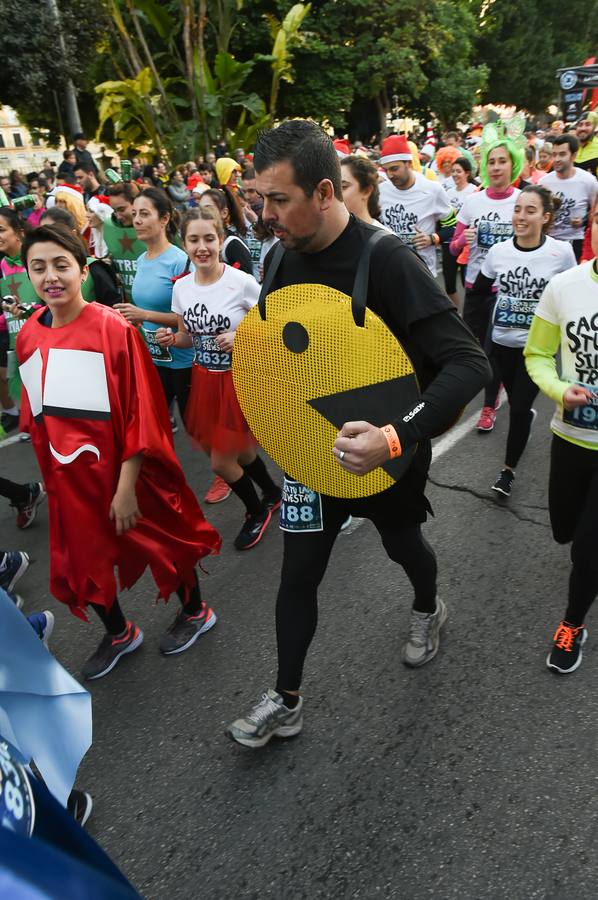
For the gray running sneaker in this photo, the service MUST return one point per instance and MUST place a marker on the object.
(268, 718)
(423, 642)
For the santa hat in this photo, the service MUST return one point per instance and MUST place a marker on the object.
(100, 206)
(429, 150)
(395, 148)
(73, 190)
(342, 147)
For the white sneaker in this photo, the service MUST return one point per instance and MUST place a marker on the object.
(267, 719)
(423, 642)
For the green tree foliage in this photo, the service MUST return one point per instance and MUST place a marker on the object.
(33, 72)
(524, 43)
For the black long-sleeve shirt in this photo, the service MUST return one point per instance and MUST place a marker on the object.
(449, 364)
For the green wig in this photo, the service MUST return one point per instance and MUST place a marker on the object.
(508, 135)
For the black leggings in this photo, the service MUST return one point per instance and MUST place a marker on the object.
(16, 493)
(176, 384)
(450, 267)
(477, 313)
(115, 622)
(305, 560)
(573, 504)
(521, 392)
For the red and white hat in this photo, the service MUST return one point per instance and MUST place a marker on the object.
(394, 149)
(73, 189)
(100, 206)
(342, 147)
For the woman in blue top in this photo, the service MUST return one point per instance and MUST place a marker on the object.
(157, 270)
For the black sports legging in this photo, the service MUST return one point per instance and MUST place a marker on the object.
(477, 314)
(305, 560)
(521, 392)
(176, 384)
(573, 505)
(18, 494)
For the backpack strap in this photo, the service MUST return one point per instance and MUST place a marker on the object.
(359, 299)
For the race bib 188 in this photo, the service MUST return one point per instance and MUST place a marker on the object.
(301, 508)
(584, 416)
(209, 355)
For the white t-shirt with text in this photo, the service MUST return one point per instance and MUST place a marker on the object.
(520, 279)
(417, 208)
(571, 302)
(577, 195)
(492, 220)
(211, 309)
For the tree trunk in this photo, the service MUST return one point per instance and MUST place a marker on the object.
(383, 110)
(168, 109)
(201, 49)
(188, 29)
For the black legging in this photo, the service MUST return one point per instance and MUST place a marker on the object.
(477, 314)
(573, 504)
(114, 620)
(521, 392)
(305, 560)
(18, 494)
(176, 384)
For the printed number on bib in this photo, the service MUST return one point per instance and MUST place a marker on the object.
(512, 312)
(158, 353)
(301, 508)
(491, 233)
(17, 810)
(584, 416)
(209, 355)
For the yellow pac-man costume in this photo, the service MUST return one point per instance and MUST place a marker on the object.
(311, 359)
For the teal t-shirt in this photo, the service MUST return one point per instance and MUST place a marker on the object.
(152, 289)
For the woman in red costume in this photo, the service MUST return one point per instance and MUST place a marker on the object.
(99, 425)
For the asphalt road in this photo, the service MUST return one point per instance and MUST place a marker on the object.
(474, 777)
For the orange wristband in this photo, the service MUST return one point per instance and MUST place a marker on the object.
(392, 439)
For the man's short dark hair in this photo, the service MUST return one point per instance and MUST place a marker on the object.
(309, 150)
(568, 139)
(84, 167)
(127, 189)
(248, 174)
(79, 136)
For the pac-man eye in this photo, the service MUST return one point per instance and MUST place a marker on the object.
(295, 337)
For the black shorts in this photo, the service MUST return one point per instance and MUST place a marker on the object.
(4, 349)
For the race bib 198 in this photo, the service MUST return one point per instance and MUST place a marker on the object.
(301, 508)
(584, 416)
(513, 312)
(158, 353)
(209, 355)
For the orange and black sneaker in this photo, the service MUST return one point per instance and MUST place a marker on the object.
(566, 654)
(110, 651)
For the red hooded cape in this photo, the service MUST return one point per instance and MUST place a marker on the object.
(91, 400)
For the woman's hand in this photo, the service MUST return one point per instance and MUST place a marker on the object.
(124, 510)
(471, 234)
(165, 337)
(226, 340)
(132, 314)
(575, 396)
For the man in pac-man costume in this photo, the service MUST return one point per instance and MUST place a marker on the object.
(345, 398)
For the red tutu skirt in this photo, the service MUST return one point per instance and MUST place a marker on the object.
(213, 417)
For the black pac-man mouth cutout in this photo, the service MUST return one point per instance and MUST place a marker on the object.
(371, 403)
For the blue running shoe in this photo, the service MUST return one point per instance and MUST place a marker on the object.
(43, 625)
(12, 568)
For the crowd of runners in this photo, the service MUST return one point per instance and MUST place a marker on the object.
(122, 295)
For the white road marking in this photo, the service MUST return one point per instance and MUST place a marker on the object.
(454, 436)
(10, 440)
